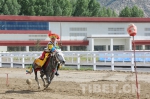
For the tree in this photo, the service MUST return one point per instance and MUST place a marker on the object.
(93, 8)
(81, 8)
(135, 11)
(126, 12)
(104, 12)
(66, 7)
(37, 45)
(57, 9)
(109, 12)
(131, 12)
(2, 3)
(141, 13)
(27, 7)
(44, 8)
(114, 14)
(5, 10)
(10, 7)
(73, 4)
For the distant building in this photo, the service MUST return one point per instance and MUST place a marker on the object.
(29, 33)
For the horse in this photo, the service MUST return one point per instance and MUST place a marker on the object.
(54, 60)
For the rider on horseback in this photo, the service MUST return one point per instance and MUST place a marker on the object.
(51, 46)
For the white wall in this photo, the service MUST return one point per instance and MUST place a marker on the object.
(96, 28)
(101, 41)
(3, 48)
(21, 36)
(105, 41)
(100, 28)
(128, 44)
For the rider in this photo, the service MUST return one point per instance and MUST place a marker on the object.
(51, 46)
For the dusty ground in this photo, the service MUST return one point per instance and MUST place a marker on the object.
(71, 85)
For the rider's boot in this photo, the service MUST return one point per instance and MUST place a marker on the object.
(57, 74)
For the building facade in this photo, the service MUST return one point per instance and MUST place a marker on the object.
(29, 33)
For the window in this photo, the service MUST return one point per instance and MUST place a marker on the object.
(115, 29)
(116, 47)
(116, 33)
(64, 48)
(146, 34)
(78, 29)
(37, 35)
(78, 48)
(36, 48)
(78, 34)
(23, 25)
(100, 48)
(147, 47)
(147, 29)
(16, 48)
(138, 47)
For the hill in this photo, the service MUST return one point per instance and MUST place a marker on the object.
(118, 5)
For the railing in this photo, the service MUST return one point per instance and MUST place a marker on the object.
(81, 58)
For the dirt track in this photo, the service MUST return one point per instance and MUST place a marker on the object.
(71, 84)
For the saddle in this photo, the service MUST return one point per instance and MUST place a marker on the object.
(39, 62)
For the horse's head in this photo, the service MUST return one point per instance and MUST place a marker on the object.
(60, 56)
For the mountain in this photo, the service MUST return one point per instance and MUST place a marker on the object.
(118, 5)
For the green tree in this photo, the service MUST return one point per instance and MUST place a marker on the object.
(66, 7)
(2, 3)
(94, 8)
(73, 4)
(44, 7)
(81, 8)
(141, 13)
(27, 7)
(136, 12)
(114, 14)
(104, 12)
(109, 12)
(126, 12)
(10, 7)
(57, 8)
(5, 10)
(131, 12)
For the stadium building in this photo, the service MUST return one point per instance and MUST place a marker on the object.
(29, 33)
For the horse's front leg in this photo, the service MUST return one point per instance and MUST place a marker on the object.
(36, 78)
(43, 79)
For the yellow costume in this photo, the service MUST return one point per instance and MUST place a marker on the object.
(50, 48)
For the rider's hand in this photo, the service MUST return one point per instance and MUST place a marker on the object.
(53, 49)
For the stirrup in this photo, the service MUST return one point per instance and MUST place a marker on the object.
(57, 74)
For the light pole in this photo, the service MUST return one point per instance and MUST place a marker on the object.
(60, 36)
(132, 31)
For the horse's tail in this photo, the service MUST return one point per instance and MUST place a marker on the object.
(30, 69)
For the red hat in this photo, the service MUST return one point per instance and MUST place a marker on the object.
(53, 35)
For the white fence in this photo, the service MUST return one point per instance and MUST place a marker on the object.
(81, 58)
